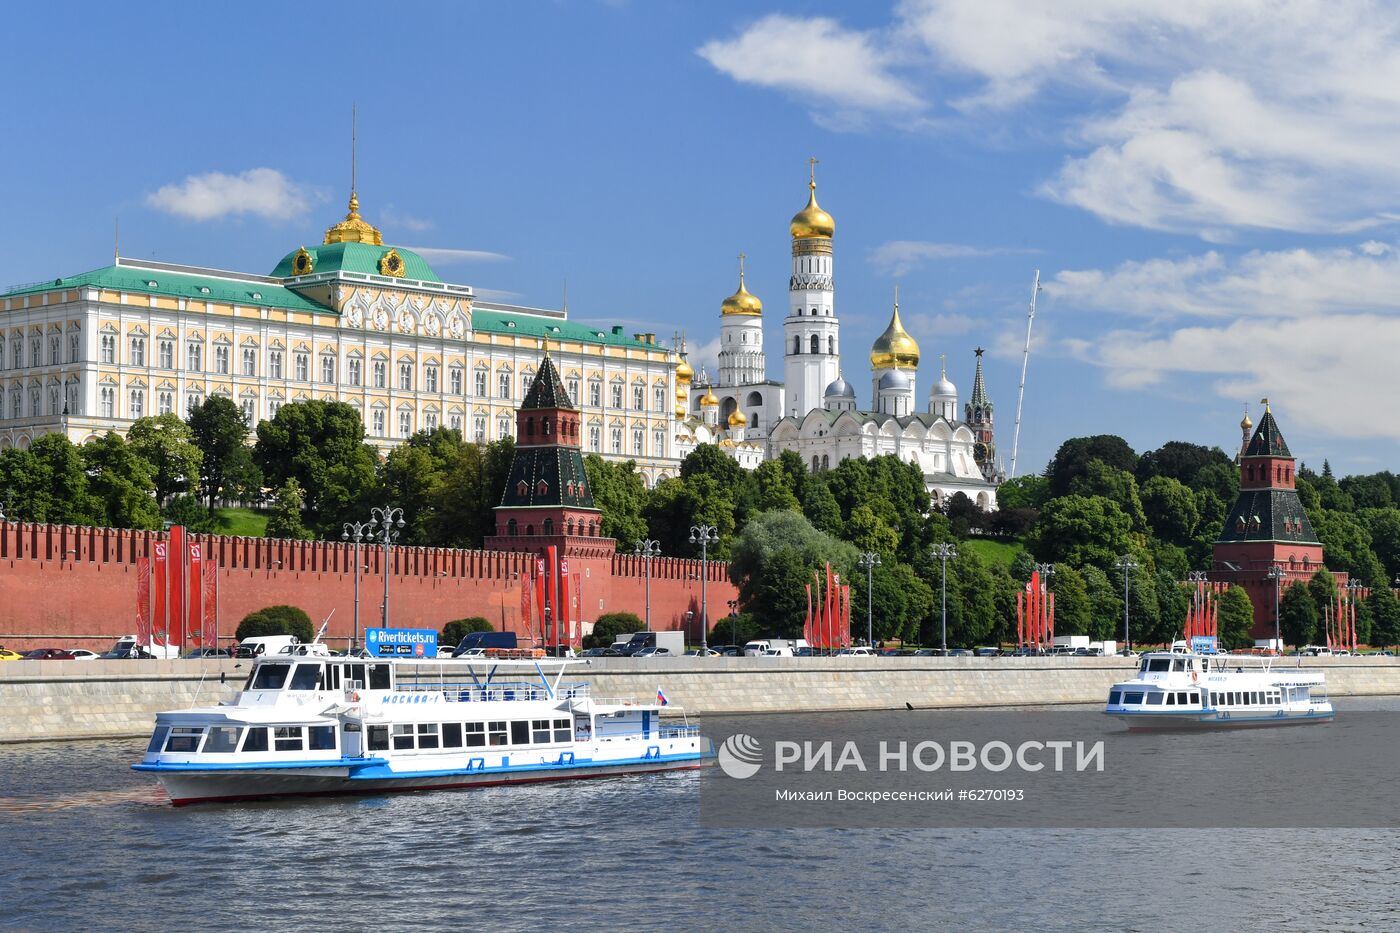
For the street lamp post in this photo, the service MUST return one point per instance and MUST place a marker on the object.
(391, 521)
(647, 549)
(734, 619)
(1276, 573)
(357, 532)
(868, 562)
(689, 618)
(704, 535)
(1127, 565)
(945, 552)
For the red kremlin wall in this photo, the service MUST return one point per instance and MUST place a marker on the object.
(77, 586)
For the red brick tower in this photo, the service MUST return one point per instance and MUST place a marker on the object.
(1267, 527)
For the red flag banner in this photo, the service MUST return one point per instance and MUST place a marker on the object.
(175, 585)
(143, 601)
(160, 622)
(195, 609)
(210, 616)
(551, 590)
(1020, 621)
(525, 620)
(539, 600)
(565, 605)
(807, 632)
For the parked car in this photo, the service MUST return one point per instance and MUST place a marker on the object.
(601, 653)
(49, 654)
(805, 653)
(702, 653)
(653, 652)
(858, 652)
(988, 652)
(1127, 653)
(199, 653)
(959, 653)
(82, 654)
(928, 653)
(7, 655)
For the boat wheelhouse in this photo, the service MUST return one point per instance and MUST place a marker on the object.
(1185, 690)
(319, 725)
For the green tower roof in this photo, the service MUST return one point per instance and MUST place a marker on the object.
(356, 257)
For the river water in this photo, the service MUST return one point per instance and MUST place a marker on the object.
(87, 844)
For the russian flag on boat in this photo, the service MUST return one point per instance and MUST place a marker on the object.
(661, 697)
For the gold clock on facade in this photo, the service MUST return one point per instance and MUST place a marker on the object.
(391, 263)
(303, 262)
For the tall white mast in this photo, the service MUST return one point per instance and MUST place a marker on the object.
(1025, 361)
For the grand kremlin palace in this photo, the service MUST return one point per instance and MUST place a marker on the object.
(350, 320)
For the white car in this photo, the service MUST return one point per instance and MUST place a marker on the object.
(860, 652)
(82, 654)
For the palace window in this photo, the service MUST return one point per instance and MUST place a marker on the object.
(165, 353)
(639, 397)
(74, 406)
(107, 402)
(55, 347)
(595, 439)
(430, 421)
(503, 427)
(328, 368)
(273, 407)
(658, 443)
(405, 423)
(573, 390)
(274, 364)
(138, 403)
(54, 404)
(658, 398)
(165, 403)
(617, 440)
(138, 352)
(617, 395)
(380, 374)
(405, 375)
(193, 401)
(74, 346)
(301, 367)
(36, 352)
(638, 442)
(430, 378)
(352, 370)
(503, 385)
(108, 349)
(479, 386)
(194, 357)
(455, 423)
(454, 381)
(250, 361)
(479, 429)
(249, 411)
(595, 393)
(378, 422)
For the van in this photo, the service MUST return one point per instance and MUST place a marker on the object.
(126, 647)
(258, 645)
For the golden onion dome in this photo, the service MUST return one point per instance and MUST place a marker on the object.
(726, 443)
(812, 221)
(680, 410)
(1246, 423)
(683, 372)
(681, 394)
(737, 419)
(894, 349)
(354, 228)
(709, 400)
(743, 301)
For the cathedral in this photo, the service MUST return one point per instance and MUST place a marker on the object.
(815, 411)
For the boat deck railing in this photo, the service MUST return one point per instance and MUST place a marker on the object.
(668, 731)
(469, 692)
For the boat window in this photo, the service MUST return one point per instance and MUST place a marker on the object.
(539, 731)
(520, 732)
(1159, 664)
(355, 673)
(1183, 698)
(476, 734)
(379, 677)
(333, 676)
(497, 732)
(256, 740)
(287, 738)
(306, 677)
(1132, 699)
(403, 736)
(158, 739)
(184, 739)
(322, 738)
(1205, 664)
(562, 732)
(222, 739)
(427, 735)
(452, 735)
(378, 738)
(271, 676)
(1178, 664)
(1171, 699)
(1154, 698)
(1144, 665)
(1114, 696)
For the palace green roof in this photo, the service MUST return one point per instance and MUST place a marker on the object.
(357, 257)
(552, 329)
(140, 280)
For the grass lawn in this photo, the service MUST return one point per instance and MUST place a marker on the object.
(247, 522)
(993, 552)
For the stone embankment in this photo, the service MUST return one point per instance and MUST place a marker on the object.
(47, 700)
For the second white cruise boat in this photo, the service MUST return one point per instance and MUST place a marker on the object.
(1183, 690)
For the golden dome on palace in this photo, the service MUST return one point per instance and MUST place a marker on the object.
(680, 410)
(354, 228)
(812, 221)
(683, 371)
(709, 400)
(737, 419)
(895, 349)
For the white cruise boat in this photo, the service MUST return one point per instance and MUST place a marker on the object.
(1184, 690)
(316, 725)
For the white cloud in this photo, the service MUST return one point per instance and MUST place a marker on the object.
(262, 192)
(898, 257)
(392, 217)
(817, 57)
(1314, 330)
(447, 257)
(935, 327)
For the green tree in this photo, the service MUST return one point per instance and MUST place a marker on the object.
(619, 492)
(899, 602)
(678, 504)
(1383, 525)
(188, 512)
(609, 626)
(1170, 509)
(285, 521)
(1074, 456)
(1297, 614)
(1385, 618)
(868, 532)
(320, 445)
(1236, 618)
(1369, 492)
(1106, 601)
(1023, 492)
(1081, 530)
(218, 430)
(1100, 479)
(412, 476)
(773, 560)
(47, 483)
(120, 482)
(972, 606)
(1181, 461)
(458, 629)
(776, 488)
(820, 506)
(1347, 545)
(167, 446)
(1073, 610)
(276, 620)
(1222, 479)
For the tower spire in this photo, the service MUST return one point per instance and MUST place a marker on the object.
(354, 121)
(354, 228)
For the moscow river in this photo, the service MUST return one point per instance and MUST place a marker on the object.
(90, 845)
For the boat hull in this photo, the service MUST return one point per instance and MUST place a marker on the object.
(192, 786)
(1180, 722)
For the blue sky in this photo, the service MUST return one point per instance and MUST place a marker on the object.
(1210, 189)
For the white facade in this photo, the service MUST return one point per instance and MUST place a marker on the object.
(811, 332)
